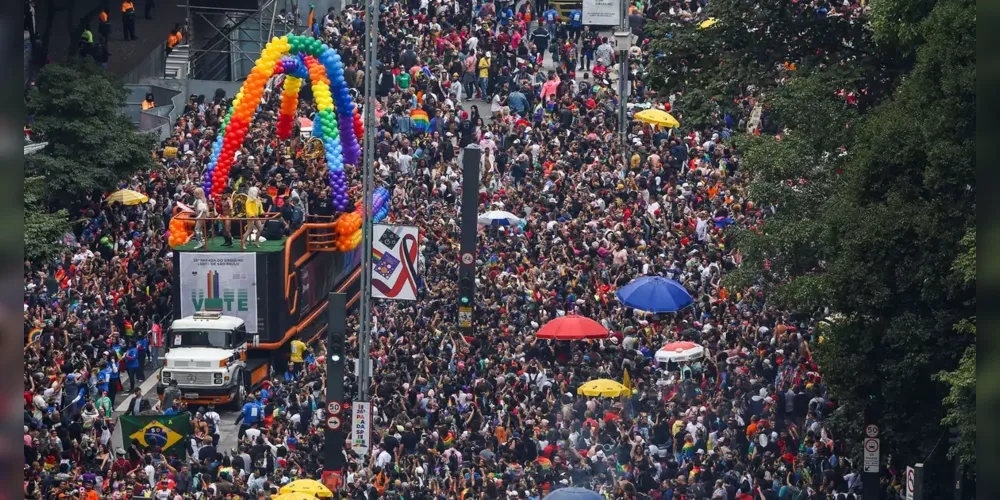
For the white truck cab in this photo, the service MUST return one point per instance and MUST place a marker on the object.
(207, 356)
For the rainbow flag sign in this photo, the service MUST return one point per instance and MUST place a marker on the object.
(420, 120)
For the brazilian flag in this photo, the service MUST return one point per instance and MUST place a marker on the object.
(164, 431)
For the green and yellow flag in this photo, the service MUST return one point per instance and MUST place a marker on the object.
(164, 431)
(627, 382)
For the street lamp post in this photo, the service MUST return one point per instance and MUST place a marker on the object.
(623, 42)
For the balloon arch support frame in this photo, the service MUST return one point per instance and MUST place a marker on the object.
(338, 123)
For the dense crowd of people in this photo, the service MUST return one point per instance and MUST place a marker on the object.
(493, 415)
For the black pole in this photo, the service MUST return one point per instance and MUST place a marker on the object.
(872, 453)
(471, 156)
(953, 437)
(335, 425)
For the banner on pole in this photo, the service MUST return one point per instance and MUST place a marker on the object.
(394, 261)
(361, 422)
(228, 276)
(602, 12)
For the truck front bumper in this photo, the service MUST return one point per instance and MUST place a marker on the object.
(213, 395)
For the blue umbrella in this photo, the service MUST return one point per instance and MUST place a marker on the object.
(573, 493)
(654, 294)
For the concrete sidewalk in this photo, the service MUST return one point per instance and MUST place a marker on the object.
(124, 55)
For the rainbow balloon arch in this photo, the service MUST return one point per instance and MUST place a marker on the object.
(338, 123)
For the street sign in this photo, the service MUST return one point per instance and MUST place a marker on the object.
(361, 427)
(465, 316)
(333, 423)
(333, 408)
(911, 481)
(871, 456)
(467, 258)
(871, 430)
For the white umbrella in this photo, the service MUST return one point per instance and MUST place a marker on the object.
(498, 217)
(679, 352)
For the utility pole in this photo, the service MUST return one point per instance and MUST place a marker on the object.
(333, 433)
(368, 180)
(623, 39)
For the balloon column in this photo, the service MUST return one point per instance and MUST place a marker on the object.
(180, 231)
(297, 57)
(348, 226)
(294, 69)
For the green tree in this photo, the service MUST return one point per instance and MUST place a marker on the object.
(745, 51)
(961, 382)
(43, 231)
(92, 147)
(870, 210)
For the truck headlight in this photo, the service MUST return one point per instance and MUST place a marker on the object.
(217, 378)
(165, 375)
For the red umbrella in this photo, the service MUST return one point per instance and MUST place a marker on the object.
(572, 328)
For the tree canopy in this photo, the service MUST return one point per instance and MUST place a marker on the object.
(874, 201)
(76, 108)
(42, 229)
(755, 46)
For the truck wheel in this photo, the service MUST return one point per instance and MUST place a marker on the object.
(240, 395)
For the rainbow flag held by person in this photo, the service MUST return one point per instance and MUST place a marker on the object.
(420, 120)
(544, 463)
(793, 430)
(689, 449)
(34, 335)
(449, 439)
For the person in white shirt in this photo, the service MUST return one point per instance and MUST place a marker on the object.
(383, 458)
(201, 214)
(253, 433)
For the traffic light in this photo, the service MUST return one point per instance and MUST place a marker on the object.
(466, 289)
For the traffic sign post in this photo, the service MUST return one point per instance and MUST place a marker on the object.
(918, 483)
(333, 423)
(871, 457)
(465, 316)
(871, 448)
(333, 408)
(910, 482)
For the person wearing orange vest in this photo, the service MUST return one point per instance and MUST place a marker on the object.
(174, 38)
(104, 26)
(128, 20)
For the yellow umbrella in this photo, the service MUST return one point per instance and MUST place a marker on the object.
(127, 197)
(310, 487)
(602, 387)
(657, 117)
(707, 22)
(293, 496)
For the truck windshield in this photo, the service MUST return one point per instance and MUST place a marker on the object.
(201, 338)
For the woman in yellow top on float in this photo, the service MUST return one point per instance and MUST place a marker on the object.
(254, 208)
